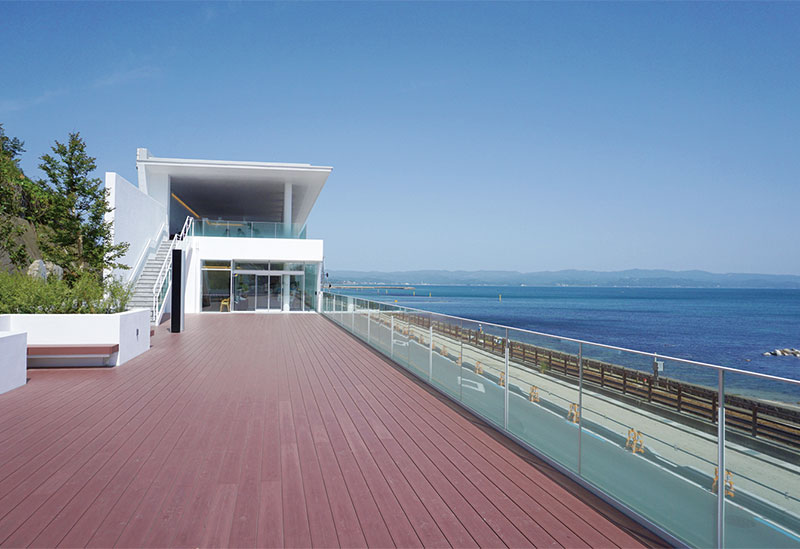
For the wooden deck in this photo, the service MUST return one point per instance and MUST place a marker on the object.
(272, 430)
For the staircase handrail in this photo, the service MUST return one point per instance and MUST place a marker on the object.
(166, 265)
(146, 251)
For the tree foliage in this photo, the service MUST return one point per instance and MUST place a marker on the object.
(11, 146)
(67, 209)
(80, 238)
(13, 199)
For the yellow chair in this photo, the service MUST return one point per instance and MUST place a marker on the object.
(225, 303)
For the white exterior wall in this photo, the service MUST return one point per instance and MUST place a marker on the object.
(131, 330)
(13, 360)
(137, 219)
(200, 248)
(158, 188)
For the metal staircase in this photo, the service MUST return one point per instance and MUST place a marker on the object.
(155, 282)
(144, 288)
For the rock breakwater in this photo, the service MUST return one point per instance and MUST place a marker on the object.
(783, 352)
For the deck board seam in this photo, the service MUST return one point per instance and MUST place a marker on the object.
(471, 447)
(133, 398)
(160, 388)
(474, 491)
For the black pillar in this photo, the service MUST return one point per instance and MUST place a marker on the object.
(176, 311)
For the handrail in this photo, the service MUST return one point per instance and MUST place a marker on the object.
(586, 342)
(142, 260)
(579, 423)
(165, 268)
(249, 229)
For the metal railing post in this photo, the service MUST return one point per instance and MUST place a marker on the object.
(721, 486)
(430, 352)
(507, 383)
(391, 345)
(461, 358)
(369, 323)
(580, 403)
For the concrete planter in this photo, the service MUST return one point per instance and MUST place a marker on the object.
(130, 330)
(12, 360)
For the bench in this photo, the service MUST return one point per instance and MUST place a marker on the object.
(70, 355)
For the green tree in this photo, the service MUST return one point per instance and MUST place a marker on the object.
(11, 146)
(80, 238)
(13, 200)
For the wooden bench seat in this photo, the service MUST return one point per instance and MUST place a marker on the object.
(73, 351)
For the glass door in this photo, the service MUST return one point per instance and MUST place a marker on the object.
(275, 293)
(296, 292)
(244, 292)
(262, 292)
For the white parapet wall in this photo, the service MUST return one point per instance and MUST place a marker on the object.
(130, 330)
(13, 349)
(137, 219)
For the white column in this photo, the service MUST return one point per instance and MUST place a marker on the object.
(287, 208)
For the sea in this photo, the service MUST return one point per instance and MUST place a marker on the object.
(726, 327)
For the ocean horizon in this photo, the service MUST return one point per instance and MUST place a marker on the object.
(721, 326)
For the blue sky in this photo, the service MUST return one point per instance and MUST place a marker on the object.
(521, 136)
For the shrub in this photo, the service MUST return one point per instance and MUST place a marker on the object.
(21, 294)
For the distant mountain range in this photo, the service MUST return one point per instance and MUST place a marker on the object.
(639, 278)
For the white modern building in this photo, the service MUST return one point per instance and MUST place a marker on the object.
(242, 226)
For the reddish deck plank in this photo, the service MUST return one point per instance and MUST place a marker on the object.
(271, 430)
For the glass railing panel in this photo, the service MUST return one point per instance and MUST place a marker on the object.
(350, 315)
(340, 311)
(543, 395)
(240, 229)
(482, 366)
(247, 229)
(641, 428)
(345, 315)
(212, 228)
(360, 321)
(419, 355)
(372, 315)
(264, 230)
(398, 350)
(381, 328)
(638, 448)
(762, 462)
(330, 307)
(446, 354)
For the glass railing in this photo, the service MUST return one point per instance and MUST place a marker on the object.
(707, 456)
(248, 229)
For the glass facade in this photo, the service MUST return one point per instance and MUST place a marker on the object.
(312, 275)
(258, 286)
(216, 276)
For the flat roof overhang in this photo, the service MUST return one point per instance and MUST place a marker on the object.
(220, 189)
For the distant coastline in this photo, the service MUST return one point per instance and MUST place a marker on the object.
(632, 278)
